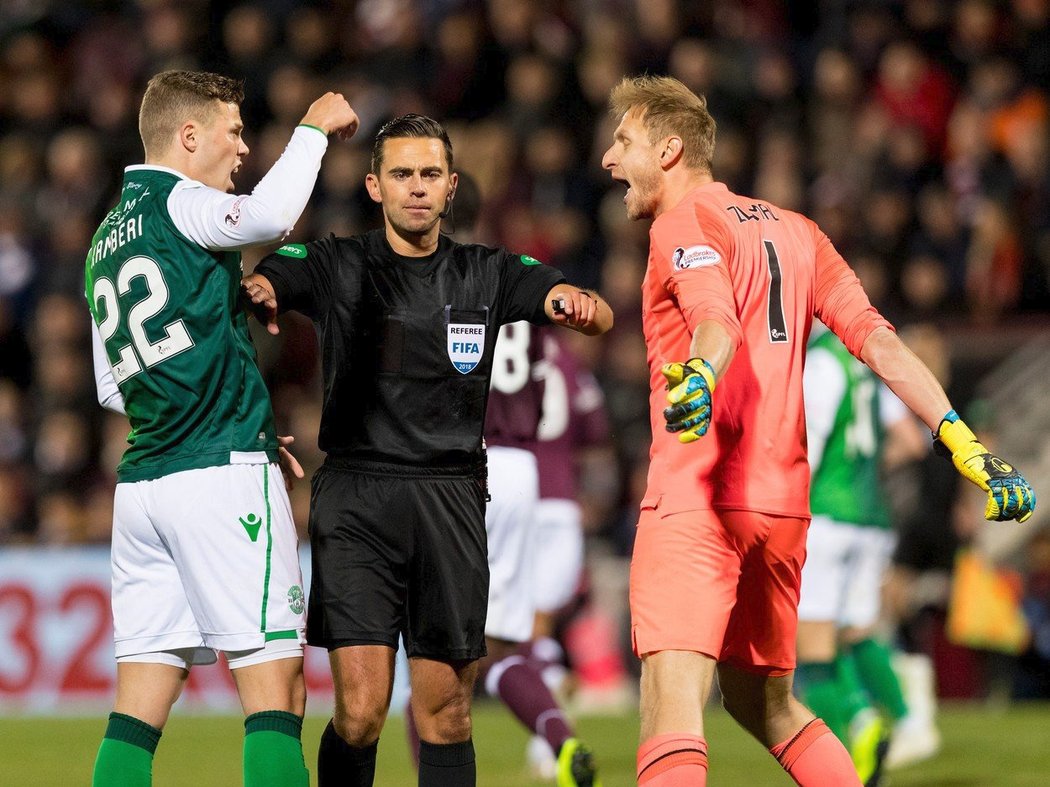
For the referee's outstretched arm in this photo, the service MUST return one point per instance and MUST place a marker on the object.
(581, 310)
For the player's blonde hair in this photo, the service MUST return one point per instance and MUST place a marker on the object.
(669, 108)
(172, 97)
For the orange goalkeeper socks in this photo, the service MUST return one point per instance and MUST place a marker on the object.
(676, 759)
(814, 757)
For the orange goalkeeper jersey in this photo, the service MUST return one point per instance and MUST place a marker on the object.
(763, 273)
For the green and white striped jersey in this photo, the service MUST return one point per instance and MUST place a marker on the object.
(845, 432)
(176, 340)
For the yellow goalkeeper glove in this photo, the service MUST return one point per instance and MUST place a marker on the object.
(1010, 496)
(690, 386)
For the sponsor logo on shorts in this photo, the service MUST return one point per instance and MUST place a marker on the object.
(466, 343)
(251, 524)
(296, 600)
(694, 257)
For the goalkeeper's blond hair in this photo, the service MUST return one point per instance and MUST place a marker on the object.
(668, 108)
(173, 97)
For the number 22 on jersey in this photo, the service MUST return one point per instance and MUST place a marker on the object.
(141, 352)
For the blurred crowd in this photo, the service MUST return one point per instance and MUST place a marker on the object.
(915, 132)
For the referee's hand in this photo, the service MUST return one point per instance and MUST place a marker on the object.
(578, 309)
(290, 467)
(259, 299)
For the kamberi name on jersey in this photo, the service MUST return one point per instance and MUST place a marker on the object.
(121, 228)
(124, 232)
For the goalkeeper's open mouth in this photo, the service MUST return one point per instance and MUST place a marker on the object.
(624, 182)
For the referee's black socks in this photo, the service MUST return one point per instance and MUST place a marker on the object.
(339, 763)
(447, 764)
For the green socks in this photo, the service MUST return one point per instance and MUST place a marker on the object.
(876, 673)
(821, 693)
(841, 690)
(125, 758)
(854, 697)
(273, 750)
(833, 691)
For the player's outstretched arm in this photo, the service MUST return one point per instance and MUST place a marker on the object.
(581, 310)
(259, 299)
(1010, 496)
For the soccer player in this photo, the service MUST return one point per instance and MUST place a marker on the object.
(573, 419)
(730, 292)
(204, 547)
(406, 320)
(843, 670)
(516, 405)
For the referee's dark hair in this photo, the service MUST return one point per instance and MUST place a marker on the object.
(411, 125)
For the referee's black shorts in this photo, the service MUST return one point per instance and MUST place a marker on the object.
(398, 550)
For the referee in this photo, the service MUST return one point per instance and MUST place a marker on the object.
(407, 320)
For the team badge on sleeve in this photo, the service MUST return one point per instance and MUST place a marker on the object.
(233, 218)
(466, 343)
(694, 257)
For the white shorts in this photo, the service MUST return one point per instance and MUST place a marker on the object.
(842, 576)
(514, 486)
(206, 560)
(558, 557)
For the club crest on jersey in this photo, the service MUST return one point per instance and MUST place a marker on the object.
(694, 257)
(466, 343)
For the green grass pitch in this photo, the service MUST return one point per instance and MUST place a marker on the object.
(983, 747)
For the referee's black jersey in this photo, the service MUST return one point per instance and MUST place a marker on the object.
(406, 342)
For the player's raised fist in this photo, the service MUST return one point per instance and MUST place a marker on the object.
(332, 114)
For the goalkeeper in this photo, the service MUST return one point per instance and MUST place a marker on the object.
(730, 292)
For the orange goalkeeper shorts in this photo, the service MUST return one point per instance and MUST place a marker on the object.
(722, 583)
